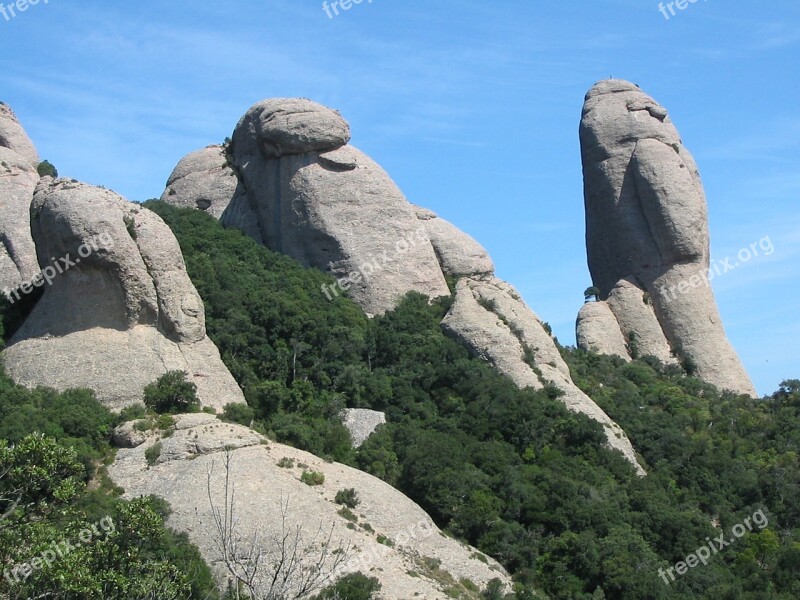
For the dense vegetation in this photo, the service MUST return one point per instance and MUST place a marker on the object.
(64, 531)
(511, 471)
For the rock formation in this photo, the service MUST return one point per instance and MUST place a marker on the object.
(197, 447)
(361, 423)
(325, 203)
(18, 179)
(305, 192)
(206, 178)
(647, 239)
(491, 319)
(118, 309)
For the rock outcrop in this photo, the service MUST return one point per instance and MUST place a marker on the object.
(459, 254)
(305, 192)
(491, 319)
(118, 309)
(361, 423)
(315, 198)
(266, 476)
(203, 178)
(18, 179)
(647, 239)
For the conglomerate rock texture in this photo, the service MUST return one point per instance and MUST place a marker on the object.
(118, 309)
(647, 239)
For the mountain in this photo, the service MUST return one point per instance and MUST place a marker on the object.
(284, 376)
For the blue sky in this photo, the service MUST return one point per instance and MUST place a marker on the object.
(471, 106)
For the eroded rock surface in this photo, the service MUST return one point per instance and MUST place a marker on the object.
(330, 206)
(598, 331)
(118, 309)
(202, 180)
(181, 476)
(647, 236)
(361, 423)
(18, 179)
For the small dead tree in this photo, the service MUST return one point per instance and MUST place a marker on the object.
(283, 564)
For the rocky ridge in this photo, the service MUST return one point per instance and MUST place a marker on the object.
(18, 179)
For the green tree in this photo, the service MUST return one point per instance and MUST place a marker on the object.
(591, 293)
(46, 169)
(172, 393)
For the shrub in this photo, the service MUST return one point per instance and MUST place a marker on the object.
(348, 497)
(172, 393)
(494, 590)
(152, 453)
(354, 586)
(238, 413)
(164, 422)
(130, 225)
(348, 514)
(46, 169)
(469, 585)
(312, 478)
(591, 292)
(286, 463)
(132, 413)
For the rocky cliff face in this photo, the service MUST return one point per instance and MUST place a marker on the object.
(305, 192)
(327, 204)
(266, 476)
(647, 239)
(118, 309)
(18, 179)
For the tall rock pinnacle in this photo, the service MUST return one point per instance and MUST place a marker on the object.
(647, 239)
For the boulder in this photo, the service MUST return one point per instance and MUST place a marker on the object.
(266, 481)
(118, 309)
(459, 254)
(597, 330)
(647, 233)
(328, 205)
(202, 180)
(128, 435)
(633, 308)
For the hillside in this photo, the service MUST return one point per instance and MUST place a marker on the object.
(182, 371)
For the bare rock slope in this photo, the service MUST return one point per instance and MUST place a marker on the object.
(647, 239)
(192, 460)
(304, 191)
(118, 309)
